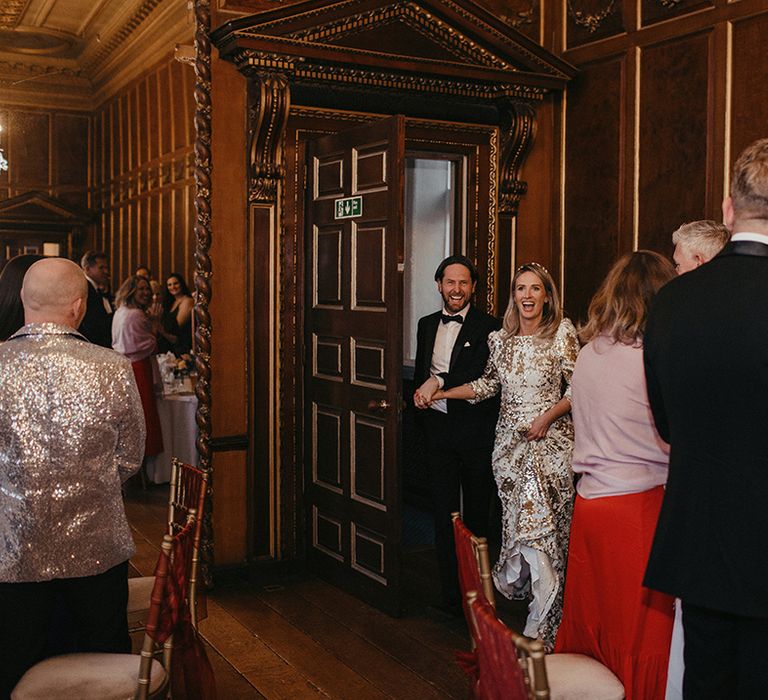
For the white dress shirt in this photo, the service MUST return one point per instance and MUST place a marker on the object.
(445, 339)
(747, 236)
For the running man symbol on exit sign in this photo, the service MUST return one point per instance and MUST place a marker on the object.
(349, 207)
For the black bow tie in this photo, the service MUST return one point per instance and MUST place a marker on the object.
(447, 319)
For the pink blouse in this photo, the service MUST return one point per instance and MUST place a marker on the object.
(132, 334)
(617, 450)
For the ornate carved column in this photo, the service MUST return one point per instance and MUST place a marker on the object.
(518, 129)
(203, 266)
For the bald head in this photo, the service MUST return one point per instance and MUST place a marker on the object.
(54, 291)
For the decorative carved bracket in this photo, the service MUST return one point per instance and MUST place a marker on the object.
(518, 129)
(269, 97)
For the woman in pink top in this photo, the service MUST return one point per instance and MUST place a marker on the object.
(623, 466)
(134, 334)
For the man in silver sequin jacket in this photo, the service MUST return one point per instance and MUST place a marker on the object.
(71, 432)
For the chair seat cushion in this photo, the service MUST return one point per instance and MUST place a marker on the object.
(86, 677)
(580, 677)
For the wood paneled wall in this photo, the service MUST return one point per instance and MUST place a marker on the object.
(47, 151)
(668, 93)
(143, 186)
(667, 96)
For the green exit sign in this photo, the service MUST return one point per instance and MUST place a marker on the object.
(348, 207)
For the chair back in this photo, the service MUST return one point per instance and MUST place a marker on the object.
(170, 604)
(510, 666)
(187, 495)
(473, 562)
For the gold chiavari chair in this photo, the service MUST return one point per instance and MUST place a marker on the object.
(98, 676)
(188, 488)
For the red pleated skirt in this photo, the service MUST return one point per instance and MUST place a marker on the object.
(142, 370)
(607, 613)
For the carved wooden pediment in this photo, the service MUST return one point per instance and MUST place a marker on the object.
(36, 207)
(448, 47)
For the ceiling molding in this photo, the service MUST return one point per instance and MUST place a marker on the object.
(110, 43)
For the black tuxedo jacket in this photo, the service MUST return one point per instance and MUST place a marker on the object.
(475, 422)
(97, 323)
(706, 363)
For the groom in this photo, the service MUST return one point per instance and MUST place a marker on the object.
(452, 349)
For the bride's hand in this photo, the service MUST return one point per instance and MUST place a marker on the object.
(539, 427)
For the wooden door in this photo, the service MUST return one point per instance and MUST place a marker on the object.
(354, 359)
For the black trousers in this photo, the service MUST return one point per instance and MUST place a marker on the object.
(456, 462)
(46, 618)
(726, 656)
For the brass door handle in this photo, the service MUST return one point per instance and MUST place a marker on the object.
(381, 406)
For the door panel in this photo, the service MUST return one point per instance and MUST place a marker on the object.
(354, 350)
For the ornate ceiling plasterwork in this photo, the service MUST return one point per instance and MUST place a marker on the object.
(10, 12)
(71, 53)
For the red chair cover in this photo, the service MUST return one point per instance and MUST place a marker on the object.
(500, 674)
(191, 672)
(469, 574)
(469, 580)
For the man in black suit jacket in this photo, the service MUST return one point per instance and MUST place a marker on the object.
(451, 350)
(706, 360)
(97, 324)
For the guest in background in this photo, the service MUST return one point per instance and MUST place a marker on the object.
(698, 242)
(177, 315)
(134, 334)
(608, 614)
(146, 273)
(97, 324)
(70, 434)
(531, 360)
(11, 278)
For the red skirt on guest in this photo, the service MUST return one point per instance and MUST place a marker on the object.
(142, 369)
(607, 612)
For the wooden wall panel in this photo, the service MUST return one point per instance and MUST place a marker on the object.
(661, 10)
(749, 112)
(47, 151)
(593, 179)
(230, 400)
(146, 191)
(538, 222)
(229, 508)
(693, 94)
(70, 134)
(29, 150)
(673, 138)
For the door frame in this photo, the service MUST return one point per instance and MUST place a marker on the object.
(479, 144)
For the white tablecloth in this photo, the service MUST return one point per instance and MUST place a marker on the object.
(177, 422)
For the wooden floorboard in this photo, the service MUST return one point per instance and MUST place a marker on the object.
(393, 636)
(381, 670)
(307, 639)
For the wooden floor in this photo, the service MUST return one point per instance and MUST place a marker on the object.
(303, 638)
